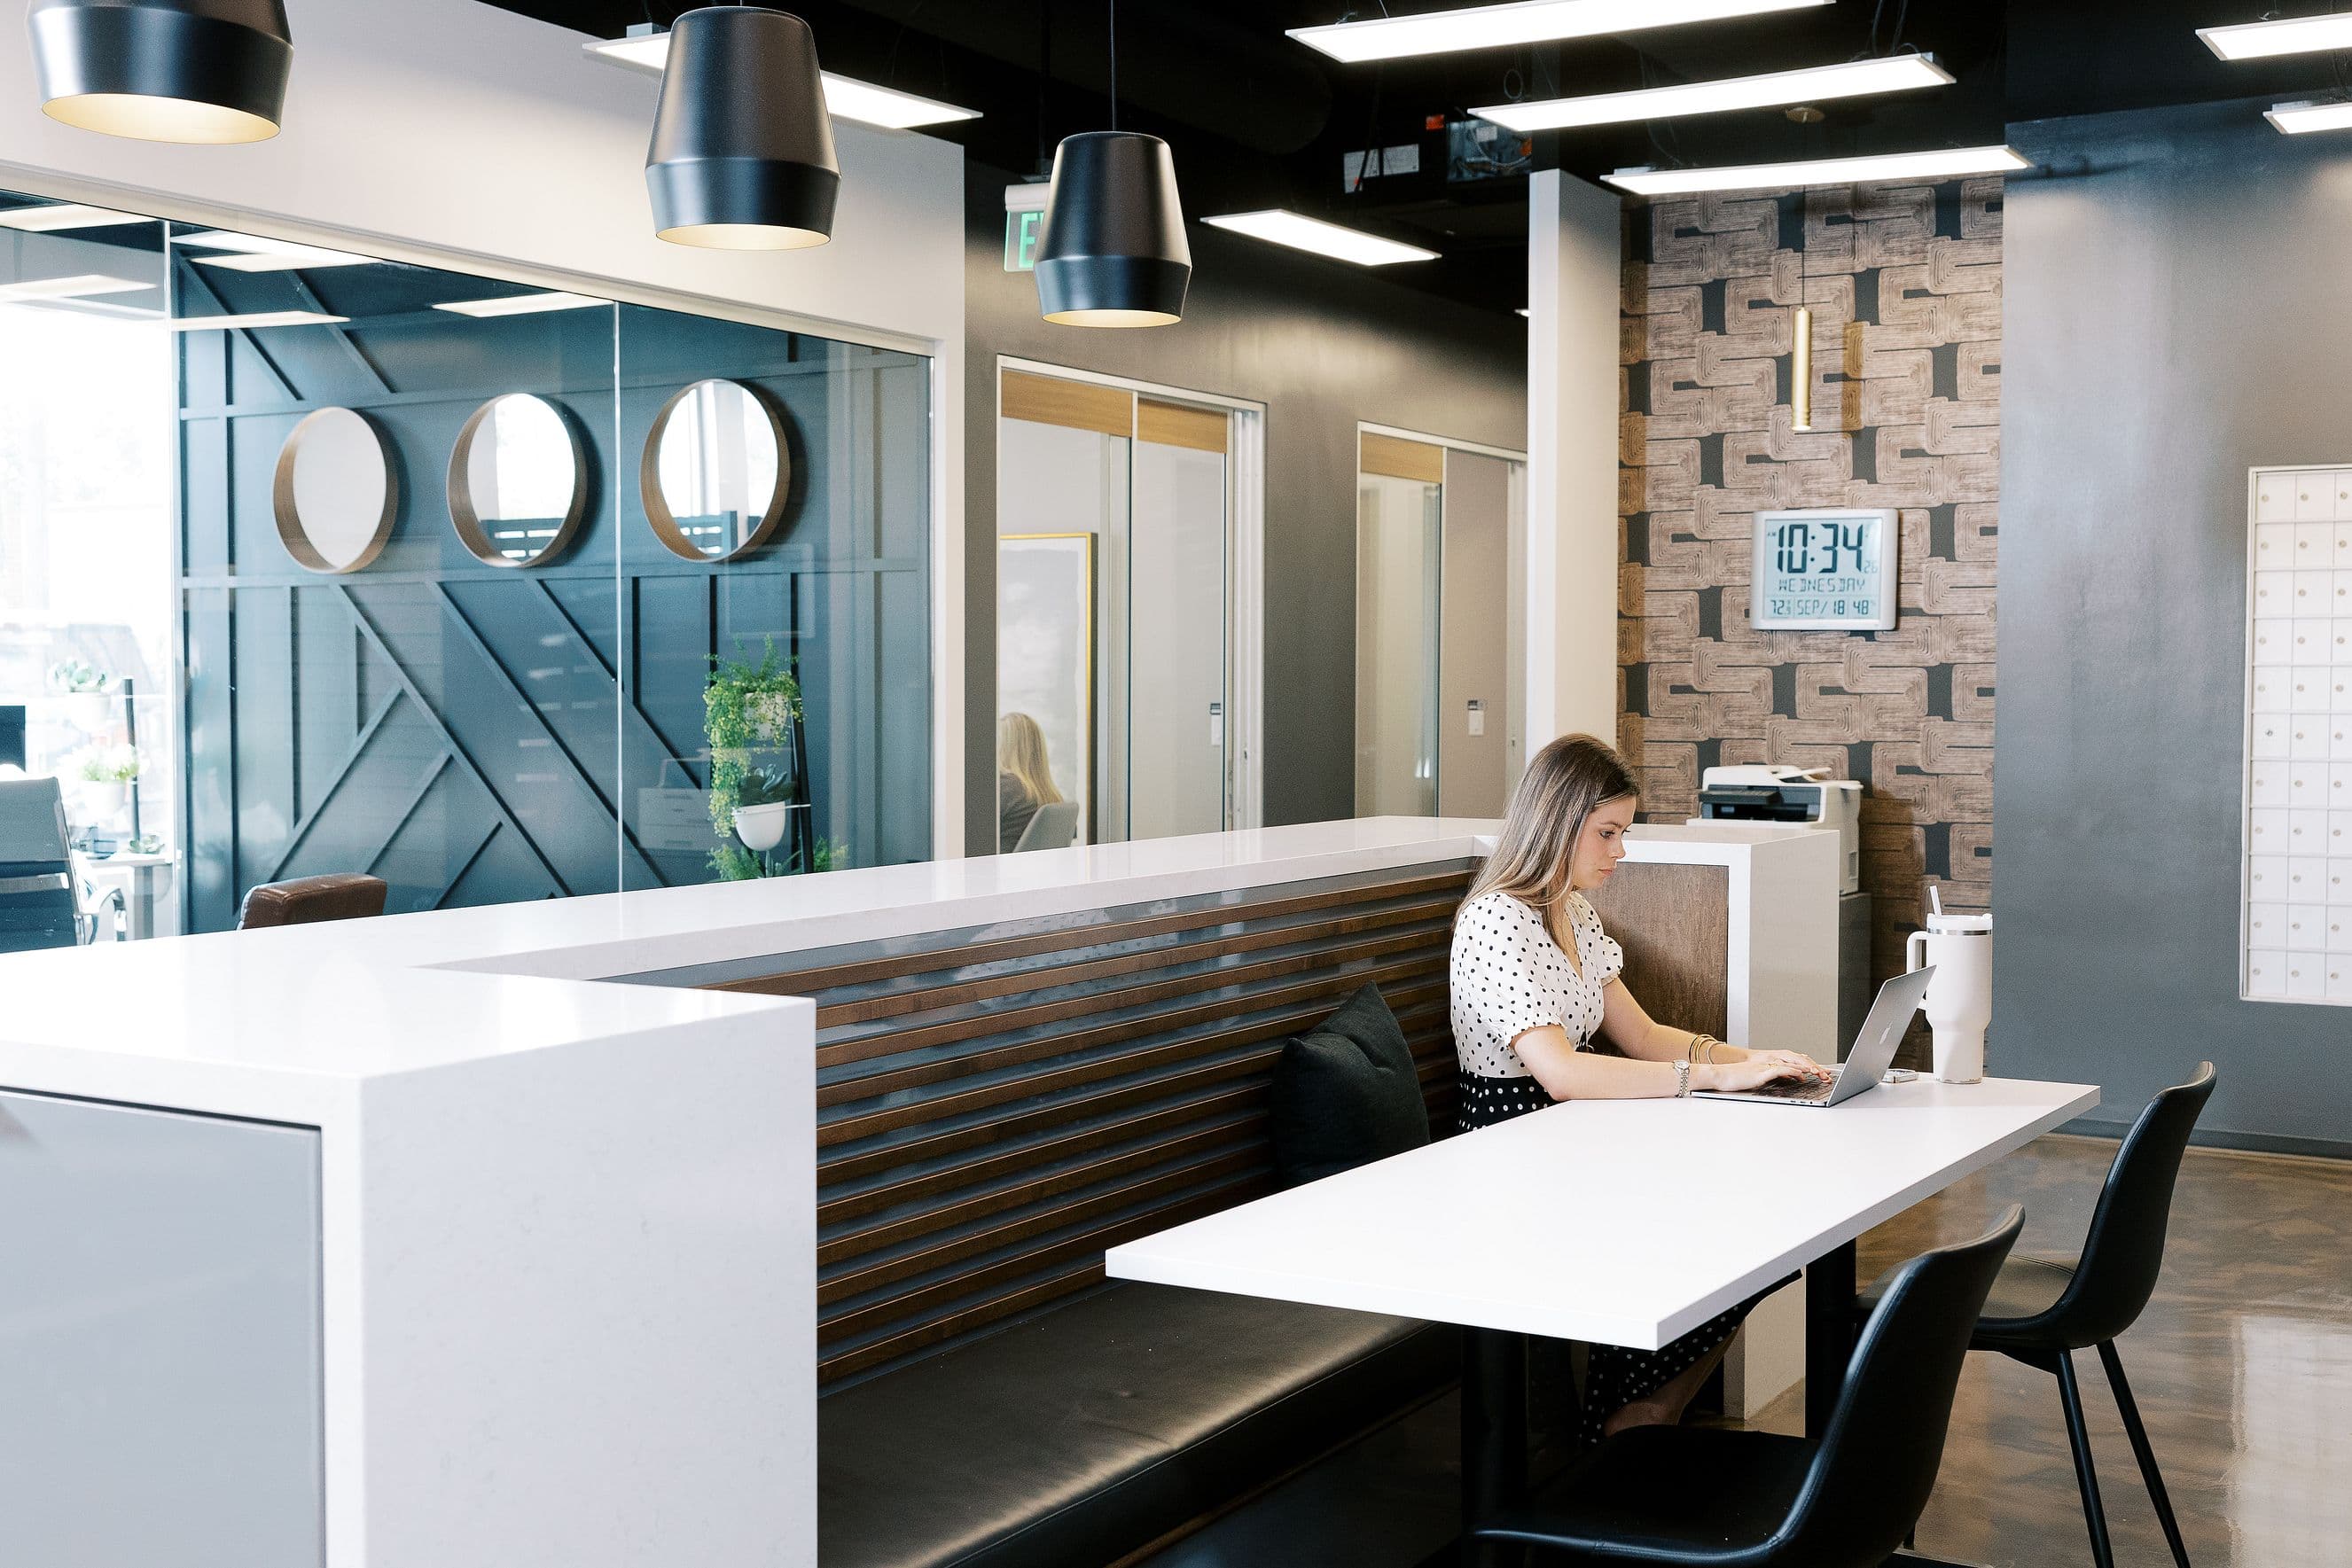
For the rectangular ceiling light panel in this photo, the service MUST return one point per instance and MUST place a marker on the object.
(845, 97)
(1300, 232)
(1944, 163)
(257, 320)
(521, 304)
(66, 215)
(83, 286)
(1856, 79)
(2294, 35)
(2299, 118)
(1526, 21)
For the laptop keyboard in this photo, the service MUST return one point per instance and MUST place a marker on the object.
(1787, 1089)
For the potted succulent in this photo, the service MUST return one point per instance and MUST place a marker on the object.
(91, 689)
(106, 779)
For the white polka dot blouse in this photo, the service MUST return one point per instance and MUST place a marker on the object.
(1508, 977)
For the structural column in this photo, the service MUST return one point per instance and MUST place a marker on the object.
(1574, 259)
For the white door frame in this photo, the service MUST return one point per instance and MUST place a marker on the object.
(1244, 570)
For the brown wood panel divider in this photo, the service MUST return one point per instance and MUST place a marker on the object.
(997, 1107)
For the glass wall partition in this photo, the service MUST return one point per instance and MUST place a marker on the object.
(1114, 609)
(1438, 627)
(495, 592)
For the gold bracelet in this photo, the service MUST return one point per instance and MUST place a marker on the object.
(1707, 1041)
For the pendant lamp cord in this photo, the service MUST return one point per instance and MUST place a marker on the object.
(1114, 65)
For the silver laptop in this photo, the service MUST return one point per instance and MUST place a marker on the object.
(1873, 1051)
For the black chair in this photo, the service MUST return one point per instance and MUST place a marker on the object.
(1695, 1496)
(2044, 1310)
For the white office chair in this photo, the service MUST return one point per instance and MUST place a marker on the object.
(1055, 827)
(40, 893)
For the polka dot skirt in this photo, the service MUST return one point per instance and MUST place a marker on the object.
(1614, 1377)
(1508, 977)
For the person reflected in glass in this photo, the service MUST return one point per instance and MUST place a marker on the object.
(1024, 778)
(1537, 982)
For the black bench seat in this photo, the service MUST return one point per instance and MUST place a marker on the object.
(1087, 1433)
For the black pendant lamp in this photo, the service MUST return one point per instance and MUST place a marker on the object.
(742, 150)
(163, 70)
(1113, 253)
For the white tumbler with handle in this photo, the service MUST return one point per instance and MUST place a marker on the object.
(1960, 998)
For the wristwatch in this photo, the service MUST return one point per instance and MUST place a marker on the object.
(1682, 1080)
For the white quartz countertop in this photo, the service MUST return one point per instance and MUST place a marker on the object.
(262, 1023)
(278, 1022)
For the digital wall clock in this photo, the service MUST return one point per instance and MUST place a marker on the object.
(1827, 570)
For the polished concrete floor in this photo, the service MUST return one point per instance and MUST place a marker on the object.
(2242, 1366)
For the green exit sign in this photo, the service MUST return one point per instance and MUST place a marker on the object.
(1025, 225)
(1021, 231)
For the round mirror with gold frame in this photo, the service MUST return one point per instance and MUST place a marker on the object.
(518, 482)
(335, 494)
(716, 472)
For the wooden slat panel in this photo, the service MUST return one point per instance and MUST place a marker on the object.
(942, 1106)
(1091, 1005)
(1223, 1112)
(1078, 1211)
(992, 1132)
(1402, 459)
(876, 1314)
(809, 982)
(862, 1163)
(1675, 924)
(1173, 424)
(996, 1167)
(898, 1003)
(1079, 406)
(963, 1211)
(977, 1316)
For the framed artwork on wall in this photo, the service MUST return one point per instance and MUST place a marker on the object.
(1828, 569)
(1045, 653)
(2296, 915)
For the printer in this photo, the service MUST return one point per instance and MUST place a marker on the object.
(1796, 797)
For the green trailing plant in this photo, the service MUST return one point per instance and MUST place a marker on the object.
(745, 705)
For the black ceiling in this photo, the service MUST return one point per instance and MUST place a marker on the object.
(1257, 120)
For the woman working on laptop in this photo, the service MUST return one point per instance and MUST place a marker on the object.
(1535, 980)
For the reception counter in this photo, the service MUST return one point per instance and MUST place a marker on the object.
(421, 1240)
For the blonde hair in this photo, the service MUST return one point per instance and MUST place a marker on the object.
(1021, 751)
(1547, 815)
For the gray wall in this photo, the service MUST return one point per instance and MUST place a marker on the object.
(1323, 345)
(2177, 311)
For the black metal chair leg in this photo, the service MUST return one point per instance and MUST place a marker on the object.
(2078, 1434)
(2142, 1452)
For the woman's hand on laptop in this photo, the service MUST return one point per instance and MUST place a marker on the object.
(1757, 1068)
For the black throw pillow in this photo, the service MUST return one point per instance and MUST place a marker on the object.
(1345, 1093)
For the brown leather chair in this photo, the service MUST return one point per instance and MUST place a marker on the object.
(339, 895)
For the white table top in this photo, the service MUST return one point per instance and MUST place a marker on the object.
(1625, 1222)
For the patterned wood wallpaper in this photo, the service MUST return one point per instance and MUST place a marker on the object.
(1905, 286)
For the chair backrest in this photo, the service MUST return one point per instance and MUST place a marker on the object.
(37, 908)
(2125, 1248)
(338, 895)
(1053, 828)
(33, 831)
(1876, 1463)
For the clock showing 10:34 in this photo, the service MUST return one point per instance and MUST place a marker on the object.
(1825, 570)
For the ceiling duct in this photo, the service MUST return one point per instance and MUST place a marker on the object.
(1184, 67)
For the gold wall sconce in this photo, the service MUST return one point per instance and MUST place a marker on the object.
(1801, 372)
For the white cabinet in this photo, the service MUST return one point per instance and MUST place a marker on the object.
(2298, 760)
